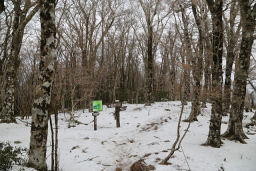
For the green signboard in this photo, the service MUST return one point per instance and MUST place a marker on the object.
(97, 105)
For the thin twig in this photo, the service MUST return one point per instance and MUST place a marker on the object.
(185, 157)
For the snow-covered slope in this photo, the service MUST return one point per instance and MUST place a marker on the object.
(146, 132)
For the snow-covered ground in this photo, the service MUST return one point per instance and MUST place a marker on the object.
(146, 132)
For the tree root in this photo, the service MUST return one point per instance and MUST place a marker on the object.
(216, 143)
(240, 137)
(236, 138)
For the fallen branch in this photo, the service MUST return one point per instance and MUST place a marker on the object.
(178, 139)
(89, 159)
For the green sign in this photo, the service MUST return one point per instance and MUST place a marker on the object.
(97, 105)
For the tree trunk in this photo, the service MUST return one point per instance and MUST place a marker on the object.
(171, 63)
(216, 94)
(227, 86)
(7, 113)
(10, 76)
(12, 64)
(197, 69)
(172, 79)
(188, 56)
(150, 65)
(232, 37)
(235, 129)
(208, 59)
(41, 105)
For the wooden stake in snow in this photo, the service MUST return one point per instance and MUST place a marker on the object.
(95, 114)
(117, 113)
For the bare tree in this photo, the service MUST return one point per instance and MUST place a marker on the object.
(21, 18)
(216, 94)
(150, 10)
(41, 105)
(197, 65)
(231, 46)
(248, 22)
(188, 54)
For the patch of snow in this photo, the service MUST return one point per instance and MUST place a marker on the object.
(146, 132)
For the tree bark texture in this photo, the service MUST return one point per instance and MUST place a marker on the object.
(150, 65)
(188, 56)
(232, 37)
(235, 129)
(197, 69)
(41, 105)
(172, 69)
(208, 61)
(216, 94)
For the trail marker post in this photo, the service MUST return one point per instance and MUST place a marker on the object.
(117, 113)
(97, 107)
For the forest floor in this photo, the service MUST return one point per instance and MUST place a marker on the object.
(146, 133)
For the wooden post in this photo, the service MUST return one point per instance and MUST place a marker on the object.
(95, 123)
(95, 114)
(117, 113)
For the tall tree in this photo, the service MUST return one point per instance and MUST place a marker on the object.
(207, 57)
(248, 22)
(150, 9)
(232, 39)
(172, 64)
(188, 55)
(41, 105)
(197, 66)
(216, 93)
(12, 61)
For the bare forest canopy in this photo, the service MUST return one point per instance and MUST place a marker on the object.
(111, 49)
(60, 55)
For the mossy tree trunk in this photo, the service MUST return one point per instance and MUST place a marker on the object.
(41, 105)
(235, 129)
(216, 93)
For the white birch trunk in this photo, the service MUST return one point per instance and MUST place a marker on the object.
(41, 105)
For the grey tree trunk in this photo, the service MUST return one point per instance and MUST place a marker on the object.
(207, 66)
(235, 129)
(232, 37)
(188, 55)
(41, 105)
(150, 65)
(12, 64)
(172, 63)
(172, 79)
(7, 113)
(197, 69)
(216, 94)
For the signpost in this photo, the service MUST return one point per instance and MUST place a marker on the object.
(97, 105)
(96, 108)
(117, 113)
